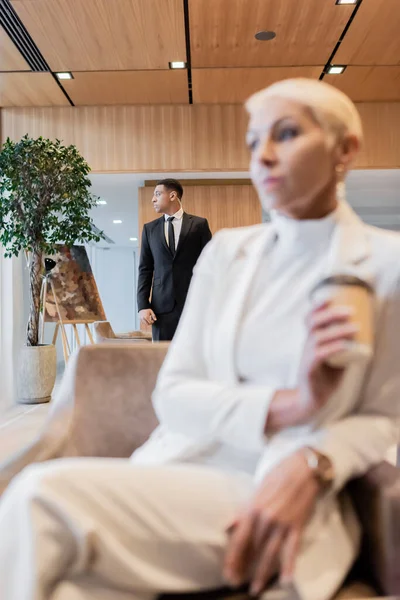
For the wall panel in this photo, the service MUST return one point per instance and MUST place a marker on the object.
(142, 138)
(179, 138)
(381, 148)
(222, 205)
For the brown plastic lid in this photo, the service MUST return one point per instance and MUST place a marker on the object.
(343, 280)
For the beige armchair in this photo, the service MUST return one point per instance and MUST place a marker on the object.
(104, 333)
(103, 409)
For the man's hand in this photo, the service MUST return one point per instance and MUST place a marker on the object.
(147, 317)
(266, 536)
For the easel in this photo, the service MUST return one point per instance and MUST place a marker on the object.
(60, 325)
(66, 346)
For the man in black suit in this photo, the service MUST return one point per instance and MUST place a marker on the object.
(171, 246)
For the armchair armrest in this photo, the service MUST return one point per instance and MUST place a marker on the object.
(376, 497)
(103, 332)
(134, 335)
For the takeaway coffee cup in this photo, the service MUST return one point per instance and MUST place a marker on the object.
(347, 290)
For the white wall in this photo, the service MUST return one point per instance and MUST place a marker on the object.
(375, 196)
(13, 319)
(121, 193)
(115, 269)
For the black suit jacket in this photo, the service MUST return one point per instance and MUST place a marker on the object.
(169, 275)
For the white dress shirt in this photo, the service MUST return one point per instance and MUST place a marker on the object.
(177, 225)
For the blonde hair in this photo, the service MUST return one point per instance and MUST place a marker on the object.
(331, 108)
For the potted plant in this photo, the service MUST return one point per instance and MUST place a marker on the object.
(44, 200)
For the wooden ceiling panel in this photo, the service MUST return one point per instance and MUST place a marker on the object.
(97, 35)
(128, 87)
(368, 84)
(222, 32)
(30, 89)
(10, 57)
(374, 35)
(234, 86)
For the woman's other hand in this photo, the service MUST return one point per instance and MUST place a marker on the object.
(265, 538)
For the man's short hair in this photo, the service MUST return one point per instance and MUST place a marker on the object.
(172, 185)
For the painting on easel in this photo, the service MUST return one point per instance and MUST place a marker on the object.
(75, 288)
(69, 295)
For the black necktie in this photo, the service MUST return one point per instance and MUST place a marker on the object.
(171, 235)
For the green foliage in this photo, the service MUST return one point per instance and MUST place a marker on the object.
(44, 200)
(44, 196)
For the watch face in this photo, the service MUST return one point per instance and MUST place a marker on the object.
(320, 465)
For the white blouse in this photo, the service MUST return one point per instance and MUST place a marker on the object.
(279, 302)
(274, 319)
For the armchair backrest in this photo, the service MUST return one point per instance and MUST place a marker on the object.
(113, 413)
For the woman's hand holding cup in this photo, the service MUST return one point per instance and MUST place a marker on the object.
(330, 329)
(339, 333)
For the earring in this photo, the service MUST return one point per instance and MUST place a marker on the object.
(340, 185)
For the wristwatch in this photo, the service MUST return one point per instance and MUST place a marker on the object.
(321, 467)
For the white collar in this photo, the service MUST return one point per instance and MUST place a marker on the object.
(306, 235)
(178, 215)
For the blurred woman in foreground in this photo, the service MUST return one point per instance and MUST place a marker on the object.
(258, 433)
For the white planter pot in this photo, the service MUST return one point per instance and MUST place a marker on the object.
(36, 374)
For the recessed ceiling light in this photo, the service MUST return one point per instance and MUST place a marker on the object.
(177, 64)
(117, 221)
(346, 1)
(336, 69)
(133, 239)
(264, 36)
(64, 75)
(101, 202)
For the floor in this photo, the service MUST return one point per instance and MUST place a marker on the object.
(20, 424)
